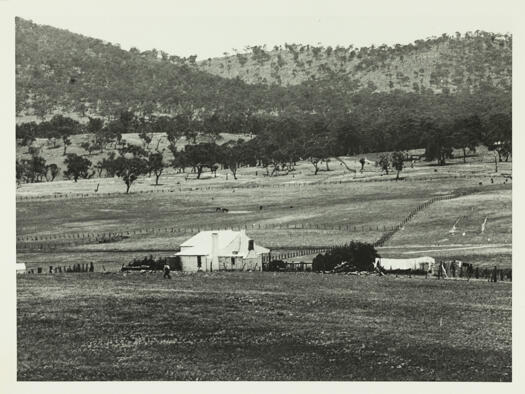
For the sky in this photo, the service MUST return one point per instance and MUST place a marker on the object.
(211, 28)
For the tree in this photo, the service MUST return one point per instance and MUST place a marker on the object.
(145, 128)
(317, 151)
(201, 155)
(20, 170)
(131, 163)
(114, 131)
(398, 159)
(67, 141)
(133, 150)
(107, 164)
(94, 125)
(156, 165)
(499, 134)
(438, 142)
(77, 166)
(103, 137)
(34, 169)
(231, 156)
(179, 161)
(53, 170)
(26, 133)
(53, 138)
(181, 125)
(363, 162)
(63, 127)
(90, 146)
(466, 134)
(129, 169)
(172, 129)
(127, 119)
(384, 162)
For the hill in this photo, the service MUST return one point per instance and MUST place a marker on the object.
(444, 63)
(59, 71)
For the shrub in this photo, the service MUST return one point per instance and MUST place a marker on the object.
(360, 256)
(276, 265)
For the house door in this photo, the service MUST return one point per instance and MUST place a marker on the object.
(199, 263)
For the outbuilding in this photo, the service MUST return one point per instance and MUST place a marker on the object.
(222, 250)
(20, 268)
(425, 263)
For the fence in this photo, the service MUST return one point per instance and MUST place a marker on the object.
(62, 269)
(240, 187)
(55, 242)
(35, 241)
(388, 235)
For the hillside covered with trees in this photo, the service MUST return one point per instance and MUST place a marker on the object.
(59, 71)
(443, 64)
(72, 84)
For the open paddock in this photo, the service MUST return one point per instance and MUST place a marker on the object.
(297, 210)
(261, 326)
(434, 226)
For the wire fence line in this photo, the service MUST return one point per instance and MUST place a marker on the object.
(116, 236)
(57, 242)
(62, 240)
(72, 195)
(389, 234)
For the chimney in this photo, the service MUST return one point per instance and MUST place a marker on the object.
(214, 250)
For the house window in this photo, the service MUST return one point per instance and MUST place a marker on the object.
(199, 262)
(233, 260)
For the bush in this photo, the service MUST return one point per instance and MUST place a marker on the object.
(276, 265)
(360, 256)
(149, 263)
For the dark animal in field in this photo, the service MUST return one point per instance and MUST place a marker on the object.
(96, 190)
(225, 210)
(481, 183)
(260, 207)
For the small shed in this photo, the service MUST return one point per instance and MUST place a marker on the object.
(20, 268)
(425, 263)
(221, 250)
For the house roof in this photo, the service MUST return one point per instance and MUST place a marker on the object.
(230, 243)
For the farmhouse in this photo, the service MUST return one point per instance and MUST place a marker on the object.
(221, 250)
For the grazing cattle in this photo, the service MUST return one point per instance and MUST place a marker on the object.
(218, 209)
(260, 207)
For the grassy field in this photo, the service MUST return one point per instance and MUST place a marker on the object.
(108, 325)
(322, 211)
(261, 326)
